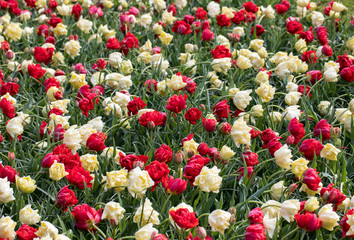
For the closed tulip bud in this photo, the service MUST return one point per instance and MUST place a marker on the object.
(335, 132)
(232, 219)
(325, 196)
(150, 125)
(143, 8)
(201, 233)
(138, 164)
(11, 156)
(292, 188)
(179, 157)
(9, 79)
(202, 107)
(10, 55)
(15, 80)
(225, 128)
(232, 210)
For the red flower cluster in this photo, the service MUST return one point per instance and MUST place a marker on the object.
(86, 217)
(184, 218)
(220, 52)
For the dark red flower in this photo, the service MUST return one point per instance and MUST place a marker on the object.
(8, 172)
(225, 128)
(203, 149)
(296, 129)
(176, 103)
(163, 154)
(113, 43)
(158, 171)
(222, 109)
(135, 105)
(86, 217)
(259, 30)
(194, 167)
(323, 129)
(344, 61)
(239, 17)
(309, 57)
(192, 115)
(201, 13)
(36, 71)
(267, 135)
(281, 8)
(43, 55)
(321, 32)
(314, 76)
(294, 27)
(223, 21)
(304, 90)
(9, 87)
(176, 186)
(130, 161)
(250, 7)
(209, 124)
(7, 107)
(131, 41)
(152, 119)
(76, 11)
(255, 232)
(207, 35)
(26, 232)
(250, 158)
(184, 218)
(181, 27)
(347, 73)
(310, 147)
(311, 179)
(96, 141)
(255, 216)
(327, 50)
(308, 221)
(273, 145)
(345, 226)
(78, 176)
(332, 195)
(307, 35)
(66, 198)
(221, 52)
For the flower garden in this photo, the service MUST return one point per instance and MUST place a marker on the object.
(156, 120)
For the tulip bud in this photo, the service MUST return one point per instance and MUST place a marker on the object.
(10, 55)
(232, 210)
(143, 8)
(120, 8)
(225, 162)
(11, 156)
(290, 140)
(179, 157)
(150, 125)
(337, 142)
(15, 80)
(201, 233)
(9, 79)
(232, 219)
(335, 132)
(138, 164)
(325, 196)
(202, 107)
(113, 222)
(292, 188)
